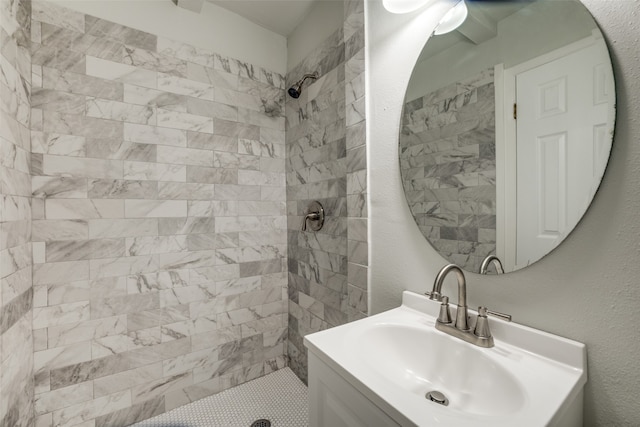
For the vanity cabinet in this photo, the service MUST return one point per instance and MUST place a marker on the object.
(377, 371)
(334, 402)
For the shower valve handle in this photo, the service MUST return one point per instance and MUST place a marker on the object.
(315, 214)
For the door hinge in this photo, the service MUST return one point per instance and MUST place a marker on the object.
(515, 111)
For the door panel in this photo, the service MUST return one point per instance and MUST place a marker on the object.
(561, 147)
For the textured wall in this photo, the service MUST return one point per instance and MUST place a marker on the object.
(448, 166)
(326, 161)
(16, 291)
(159, 221)
(587, 288)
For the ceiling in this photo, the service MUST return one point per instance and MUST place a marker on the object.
(279, 16)
(489, 12)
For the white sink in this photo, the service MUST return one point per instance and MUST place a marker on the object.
(426, 360)
(529, 378)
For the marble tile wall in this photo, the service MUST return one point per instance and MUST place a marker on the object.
(357, 214)
(159, 221)
(326, 161)
(16, 290)
(448, 164)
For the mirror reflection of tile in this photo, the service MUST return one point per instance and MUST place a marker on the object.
(448, 166)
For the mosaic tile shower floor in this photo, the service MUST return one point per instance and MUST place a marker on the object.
(279, 397)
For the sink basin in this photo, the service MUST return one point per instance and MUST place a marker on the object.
(529, 378)
(472, 382)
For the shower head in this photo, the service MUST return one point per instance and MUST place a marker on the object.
(295, 90)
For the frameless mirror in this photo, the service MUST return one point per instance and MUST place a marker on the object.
(506, 130)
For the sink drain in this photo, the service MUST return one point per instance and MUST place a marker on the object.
(261, 423)
(437, 397)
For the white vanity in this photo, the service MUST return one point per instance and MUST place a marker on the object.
(377, 372)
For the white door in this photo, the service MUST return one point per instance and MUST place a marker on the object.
(562, 147)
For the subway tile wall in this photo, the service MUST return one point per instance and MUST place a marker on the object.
(448, 166)
(326, 161)
(159, 221)
(159, 228)
(16, 291)
(357, 305)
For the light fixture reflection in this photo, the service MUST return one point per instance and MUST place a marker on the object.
(453, 19)
(404, 6)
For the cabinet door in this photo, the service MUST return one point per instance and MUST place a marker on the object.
(333, 402)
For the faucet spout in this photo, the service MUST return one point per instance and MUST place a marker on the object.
(461, 312)
(484, 268)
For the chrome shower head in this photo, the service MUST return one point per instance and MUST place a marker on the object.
(295, 90)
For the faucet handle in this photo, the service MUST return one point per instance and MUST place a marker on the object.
(482, 324)
(505, 317)
(434, 296)
(445, 314)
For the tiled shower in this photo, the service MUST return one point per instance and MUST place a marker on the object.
(152, 198)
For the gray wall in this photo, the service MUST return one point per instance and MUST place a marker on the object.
(587, 289)
(16, 290)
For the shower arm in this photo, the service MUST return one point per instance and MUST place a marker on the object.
(305, 77)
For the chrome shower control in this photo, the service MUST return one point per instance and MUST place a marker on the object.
(314, 217)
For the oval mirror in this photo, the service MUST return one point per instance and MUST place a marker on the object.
(506, 130)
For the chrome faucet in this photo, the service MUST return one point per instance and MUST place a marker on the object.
(484, 268)
(480, 335)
